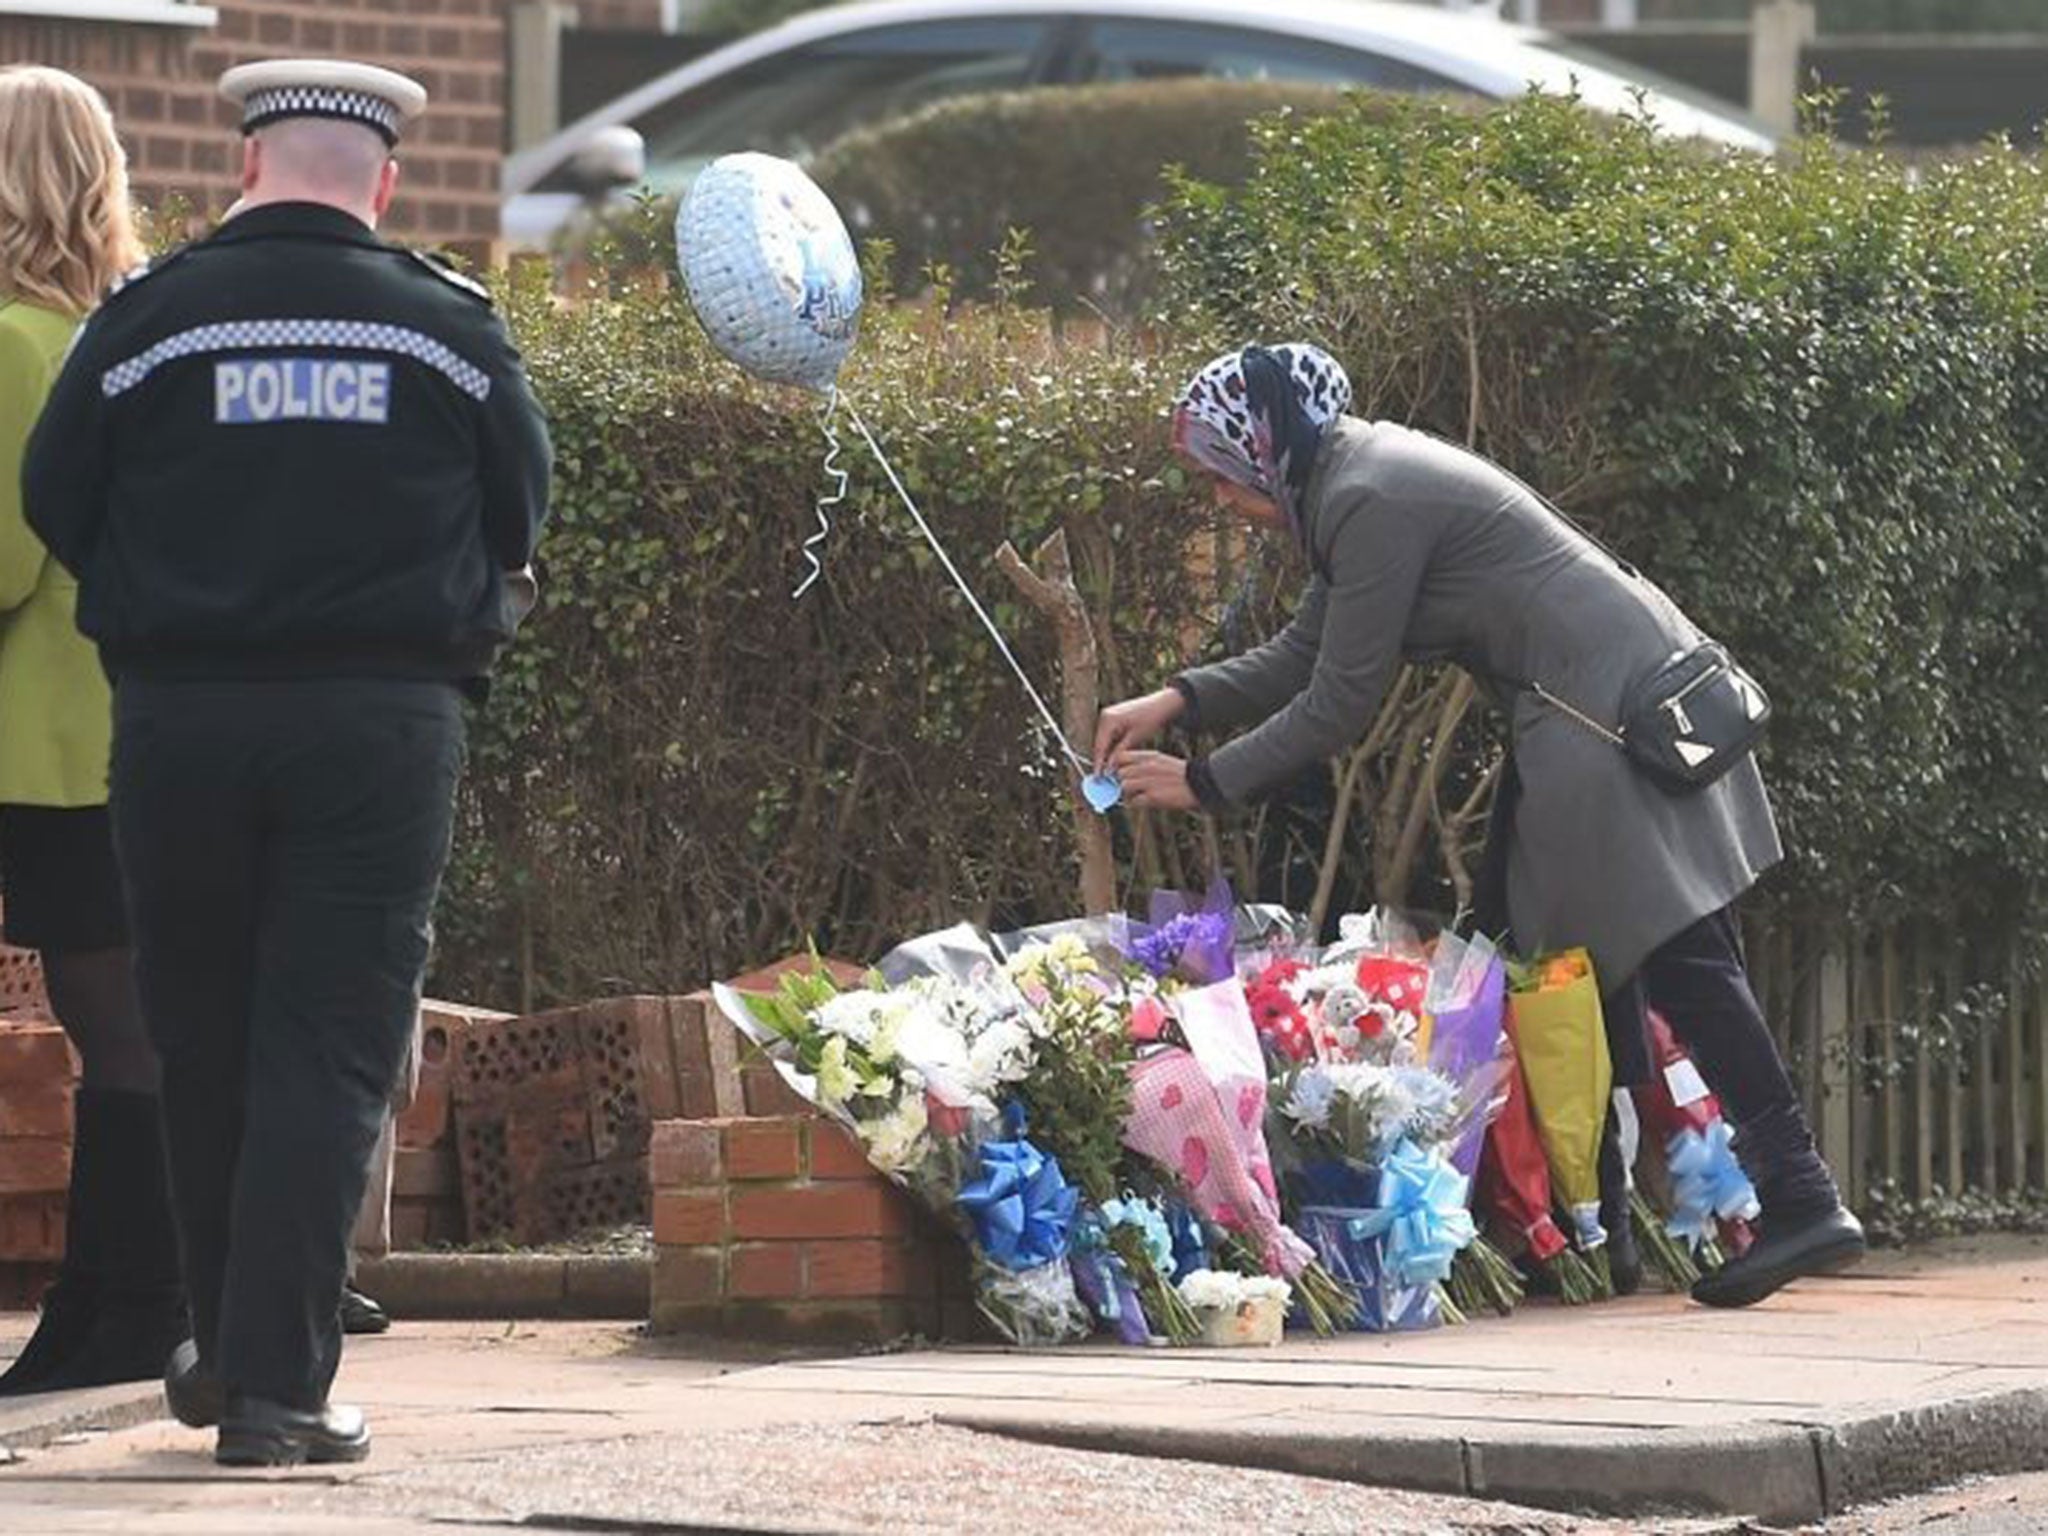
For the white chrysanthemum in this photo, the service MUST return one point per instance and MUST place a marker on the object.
(1222, 1290)
(896, 1142)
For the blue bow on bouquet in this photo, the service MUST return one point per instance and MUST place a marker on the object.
(1421, 1213)
(1021, 1205)
(1706, 1183)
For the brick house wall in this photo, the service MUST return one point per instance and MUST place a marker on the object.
(181, 137)
(620, 15)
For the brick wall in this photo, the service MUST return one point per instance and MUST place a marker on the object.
(37, 1072)
(181, 136)
(776, 1227)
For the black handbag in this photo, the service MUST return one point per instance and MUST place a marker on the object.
(1687, 721)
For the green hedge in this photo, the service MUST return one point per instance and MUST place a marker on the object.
(681, 771)
(1808, 396)
(1075, 169)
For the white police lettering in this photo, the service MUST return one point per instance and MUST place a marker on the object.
(258, 390)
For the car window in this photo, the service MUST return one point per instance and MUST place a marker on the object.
(796, 103)
(1165, 50)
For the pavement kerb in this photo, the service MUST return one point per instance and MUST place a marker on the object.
(597, 1287)
(30, 1423)
(1779, 1473)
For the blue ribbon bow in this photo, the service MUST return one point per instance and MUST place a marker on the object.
(1421, 1213)
(1706, 1183)
(1021, 1205)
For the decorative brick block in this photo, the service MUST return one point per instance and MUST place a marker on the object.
(34, 1165)
(36, 1108)
(788, 1233)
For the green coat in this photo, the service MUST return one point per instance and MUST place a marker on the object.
(56, 711)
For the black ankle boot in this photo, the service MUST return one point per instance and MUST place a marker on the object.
(1804, 1229)
(128, 1248)
(1624, 1257)
(62, 1327)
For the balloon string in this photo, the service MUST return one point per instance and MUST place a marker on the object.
(931, 538)
(816, 542)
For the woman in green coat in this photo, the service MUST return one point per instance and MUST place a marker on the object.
(1422, 551)
(66, 235)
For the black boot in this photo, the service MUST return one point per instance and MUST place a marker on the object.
(72, 1302)
(129, 1249)
(1804, 1229)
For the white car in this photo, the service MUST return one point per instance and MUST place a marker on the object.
(794, 88)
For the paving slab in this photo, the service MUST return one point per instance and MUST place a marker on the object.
(1919, 1370)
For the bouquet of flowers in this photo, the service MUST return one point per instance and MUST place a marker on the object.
(911, 1071)
(1561, 1040)
(1710, 1194)
(1372, 1183)
(1514, 1190)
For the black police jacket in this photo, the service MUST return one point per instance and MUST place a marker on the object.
(292, 449)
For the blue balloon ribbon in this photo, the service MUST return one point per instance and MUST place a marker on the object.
(1707, 1183)
(1021, 1205)
(1421, 1214)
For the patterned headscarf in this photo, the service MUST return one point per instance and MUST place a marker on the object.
(1256, 418)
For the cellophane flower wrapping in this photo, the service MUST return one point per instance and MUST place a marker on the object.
(1178, 1122)
(1336, 1215)
(1554, 1016)
(1710, 1197)
(1468, 1037)
(1514, 1175)
(915, 1070)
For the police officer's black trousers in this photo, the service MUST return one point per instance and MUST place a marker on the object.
(281, 844)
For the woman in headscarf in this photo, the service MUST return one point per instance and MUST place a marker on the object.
(1422, 551)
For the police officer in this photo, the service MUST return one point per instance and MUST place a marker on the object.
(292, 467)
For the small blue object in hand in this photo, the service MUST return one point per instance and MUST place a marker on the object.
(1103, 791)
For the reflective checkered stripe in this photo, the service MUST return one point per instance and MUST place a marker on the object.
(345, 335)
(261, 107)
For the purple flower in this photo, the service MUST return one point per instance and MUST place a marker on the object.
(1193, 935)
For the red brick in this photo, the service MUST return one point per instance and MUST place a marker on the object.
(820, 1211)
(686, 1276)
(34, 1053)
(426, 1174)
(766, 1094)
(34, 1165)
(36, 1109)
(765, 1271)
(836, 1153)
(689, 1219)
(860, 1267)
(684, 1154)
(31, 1229)
(764, 1149)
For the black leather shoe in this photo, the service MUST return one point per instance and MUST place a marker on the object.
(1784, 1252)
(255, 1432)
(361, 1314)
(196, 1396)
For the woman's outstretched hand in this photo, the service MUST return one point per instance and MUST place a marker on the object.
(1134, 722)
(1154, 779)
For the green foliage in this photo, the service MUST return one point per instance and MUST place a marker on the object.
(1807, 396)
(1074, 168)
(681, 772)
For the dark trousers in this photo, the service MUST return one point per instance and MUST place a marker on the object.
(281, 846)
(1698, 982)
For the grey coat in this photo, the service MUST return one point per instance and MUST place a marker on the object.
(1424, 552)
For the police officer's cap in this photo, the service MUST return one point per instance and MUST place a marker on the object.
(277, 89)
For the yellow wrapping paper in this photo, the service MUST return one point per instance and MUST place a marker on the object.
(1554, 1017)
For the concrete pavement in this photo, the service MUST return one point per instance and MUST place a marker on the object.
(1913, 1371)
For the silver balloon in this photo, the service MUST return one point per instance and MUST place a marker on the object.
(770, 269)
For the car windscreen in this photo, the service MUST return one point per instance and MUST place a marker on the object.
(1145, 49)
(795, 103)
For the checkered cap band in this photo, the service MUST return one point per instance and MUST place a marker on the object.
(280, 102)
(335, 335)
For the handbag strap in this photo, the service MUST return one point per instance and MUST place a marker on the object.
(1571, 711)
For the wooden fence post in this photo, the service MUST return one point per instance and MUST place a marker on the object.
(1921, 992)
(1888, 1054)
(1832, 1066)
